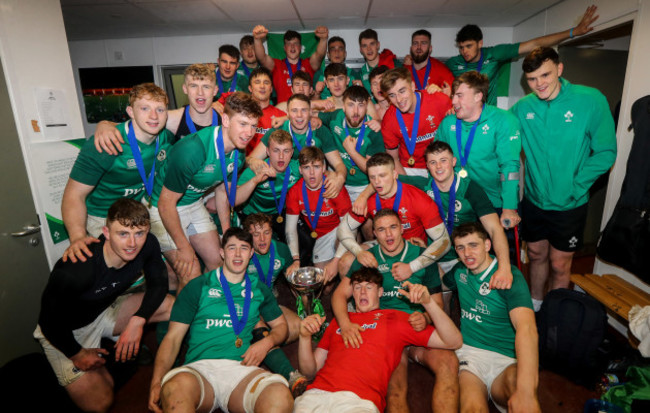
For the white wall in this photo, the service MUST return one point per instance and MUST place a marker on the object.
(637, 84)
(163, 51)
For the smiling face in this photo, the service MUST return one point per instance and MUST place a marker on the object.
(261, 237)
(279, 155)
(366, 296)
(441, 166)
(261, 88)
(388, 230)
(199, 93)
(125, 242)
(299, 113)
(473, 252)
(355, 112)
(149, 116)
(312, 173)
(227, 66)
(470, 50)
(545, 81)
(292, 49)
(369, 49)
(420, 48)
(240, 128)
(236, 254)
(383, 178)
(467, 102)
(402, 96)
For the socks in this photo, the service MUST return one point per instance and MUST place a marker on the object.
(537, 304)
(278, 363)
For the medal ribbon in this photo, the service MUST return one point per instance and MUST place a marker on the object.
(464, 155)
(360, 137)
(298, 67)
(479, 66)
(237, 323)
(137, 157)
(246, 69)
(285, 187)
(232, 193)
(451, 208)
(233, 83)
(410, 142)
(319, 205)
(190, 122)
(398, 198)
(308, 140)
(426, 76)
(267, 279)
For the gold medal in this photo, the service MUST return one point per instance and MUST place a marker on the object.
(314, 235)
(411, 161)
(239, 342)
(150, 202)
(353, 171)
(279, 219)
(462, 173)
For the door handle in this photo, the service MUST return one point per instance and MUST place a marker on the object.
(27, 230)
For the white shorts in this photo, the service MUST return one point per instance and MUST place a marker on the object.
(325, 247)
(316, 400)
(195, 219)
(484, 364)
(424, 172)
(89, 336)
(222, 375)
(94, 225)
(355, 191)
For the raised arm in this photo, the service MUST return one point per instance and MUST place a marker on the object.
(315, 60)
(584, 27)
(309, 361)
(259, 34)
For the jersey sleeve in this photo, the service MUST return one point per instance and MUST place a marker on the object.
(343, 202)
(503, 52)
(245, 176)
(327, 139)
(388, 130)
(184, 161)
(518, 295)
(155, 275)
(508, 148)
(479, 200)
(449, 279)
(327, 117)
(356, 265)
(269, 309)
(284, 252)
(442, 133)
(293, 196)
(330, 331)
(187, 302)
(427, 209)
(419, 182)
(376, 143)
(404, 330)
(91, 165)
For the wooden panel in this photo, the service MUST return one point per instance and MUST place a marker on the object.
(601, 294)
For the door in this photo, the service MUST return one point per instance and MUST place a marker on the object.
(24, 266)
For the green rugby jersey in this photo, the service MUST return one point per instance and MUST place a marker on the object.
(322, 138)
(392, 299)
(262, 199)
(202, 305)
(117, 176)
(281, 261)
(194, 167)
(485, 313)
(494, 157)
(320, 77)
(241, 85)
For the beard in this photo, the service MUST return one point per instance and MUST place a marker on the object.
(419, 58)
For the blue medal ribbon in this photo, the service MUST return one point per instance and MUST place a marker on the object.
(298, 67)
(464, 154)
(410, 141)
(285, 187)
(426, 76)
(360, 137)
(449, 220)
(266, 279)
(232, 193)
(137, 157)
(190, 122)
(233, 83)
(396, 202)
(238, 324)
(479, 66)
(245, 68)
(308, 140)
(319, 205)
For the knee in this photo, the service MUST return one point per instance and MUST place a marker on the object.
(561, 266)
(443, 363)
(275, 398)
(179, 389)
(538, 254)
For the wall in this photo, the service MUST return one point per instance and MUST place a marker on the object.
(637, 84)
(162, 51)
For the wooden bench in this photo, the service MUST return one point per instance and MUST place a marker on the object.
(616, 294)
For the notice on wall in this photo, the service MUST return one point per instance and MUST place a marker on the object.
(52, 107)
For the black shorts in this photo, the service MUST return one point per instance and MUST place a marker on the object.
(564, 230)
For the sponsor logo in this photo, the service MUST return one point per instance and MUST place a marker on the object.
(261, 131)
(393, 293)
(364, 326)
(195, 189)
(480, 307)
(463, 278)
(217, 322)
(530, 115)
(214, 292)
(568, 116)
(209, 168)
(470, 316)
(162, 155)
(130, 164)
(426, 137)
(484, 289)
(383, 268)
(338, 130)
(132, 191)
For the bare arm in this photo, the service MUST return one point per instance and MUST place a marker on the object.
(309, 361)
(333, 184)
(259, 34)
(174, 119)
(258, 350)
(502, 279)
(223, 208)
(525, 397)
(74, 213)
(398, 166)
(108, 138)
(165, 357)
(169, 215)
(322, 33)
(584, 27)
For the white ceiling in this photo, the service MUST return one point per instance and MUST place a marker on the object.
(111, 19)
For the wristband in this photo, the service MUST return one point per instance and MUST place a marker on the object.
(571, 33)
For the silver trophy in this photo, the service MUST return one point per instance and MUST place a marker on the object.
(307, 285)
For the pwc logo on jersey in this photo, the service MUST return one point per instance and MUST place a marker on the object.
(133, 191)
(217, 322)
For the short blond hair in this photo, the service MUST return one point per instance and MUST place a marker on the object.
(148, 90)
(200, 71)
